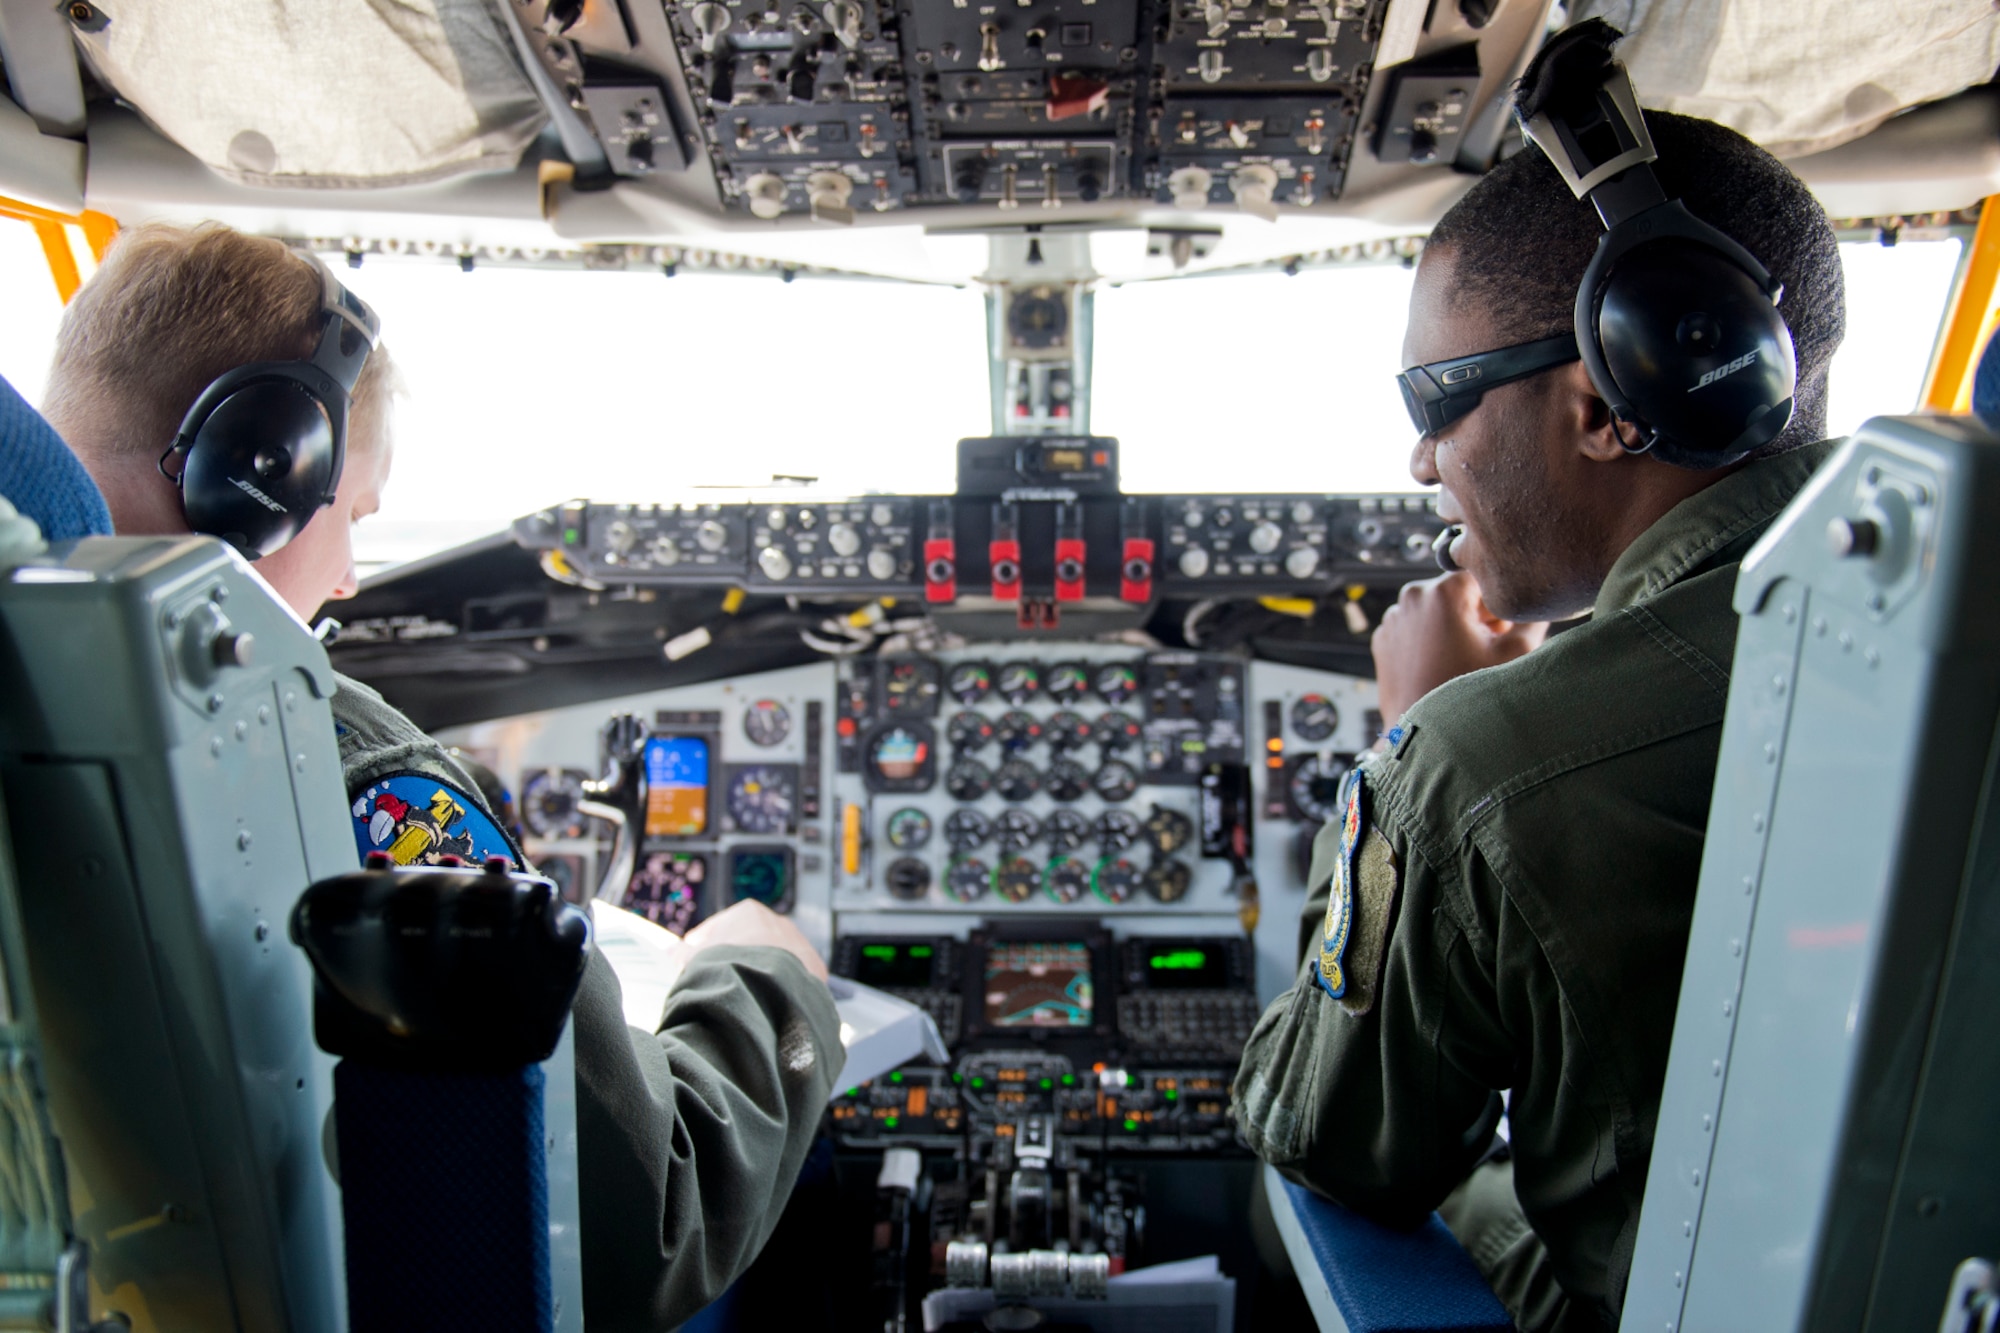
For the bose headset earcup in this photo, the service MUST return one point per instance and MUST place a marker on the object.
(261, 463)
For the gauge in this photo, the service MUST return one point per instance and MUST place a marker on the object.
(549, 801)
(910, 686)
(1167, 830)
(966, 829)
(1314, 717)
(1115, 730)
(1067, 731)
(908, 829)
(969, 733)
(1068, 682)
(766, 723)
(1115, 781)
(968, 878)
(1019, 682)
(1017, 730)
(761, 874)
(666, 889)
(1066, 879)
(968, 780)
(761, 798)
(1016, 829)
(1316, 784)
(567, 874)
(1168, 880)
(1117, 829)
(1066, 830)
(900, 756)
(1017, 780)
(1115, 879)
(1116, 683)
(970, 682)
(907, 878)
(1067, 780)
(1016, 879)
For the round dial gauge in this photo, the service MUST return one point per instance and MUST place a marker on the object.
(1117, 829)
(1067, 780)
(970, 682)
(766, 723)
(967, 879)
(968, 780)
(899, 756)
(908, 878)
(1316, 784)
(966, 829)
(1068, 682)
(1016, 829)
(1116, 879)
(1017, 780)
(910, 685)
(1018, 730)
(1016, 878)
(549, 801)
(969, 733)
(1115, 730)
(1019, 682)
(1168, 880)
(761, 798)
(908, 829)
(1116, 683)
(1067, 731)
(1067, 879)
(1167, 830)
(666, 889)
(1115, 781)
(1314, 717)
(1066, 830)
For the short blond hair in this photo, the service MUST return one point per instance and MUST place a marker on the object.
(169, 310)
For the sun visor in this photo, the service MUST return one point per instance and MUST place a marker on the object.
(331, 96)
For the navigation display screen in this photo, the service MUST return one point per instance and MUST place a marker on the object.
(892, 966)
(1038, 984)
(676, 787)
(1185, 967)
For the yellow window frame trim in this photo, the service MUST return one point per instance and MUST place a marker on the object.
(1970, 318)
(52, 229)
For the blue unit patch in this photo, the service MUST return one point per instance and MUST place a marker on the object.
(419, 821)
(1331, 973)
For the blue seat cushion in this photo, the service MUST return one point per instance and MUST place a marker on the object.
(42, 479)
(1388, 1281)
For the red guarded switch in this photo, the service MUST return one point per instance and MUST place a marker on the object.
(1135, 570)
(940, 570)
(1069, 553)
(1005, 559)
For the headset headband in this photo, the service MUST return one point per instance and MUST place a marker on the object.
(352, 329)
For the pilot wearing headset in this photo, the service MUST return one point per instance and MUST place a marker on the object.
(224, 384)
(1618, 349)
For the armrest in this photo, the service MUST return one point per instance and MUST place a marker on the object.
(1362, 1277)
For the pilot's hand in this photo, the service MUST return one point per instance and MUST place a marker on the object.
(1438, 630)
(750, 922)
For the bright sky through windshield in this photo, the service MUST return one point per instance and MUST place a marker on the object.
(527, 388)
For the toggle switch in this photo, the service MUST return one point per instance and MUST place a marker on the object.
(1003, 554)
(940, 556)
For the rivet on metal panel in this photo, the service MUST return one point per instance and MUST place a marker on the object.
(1757, 823)
(291, 701)
(1736, 948)
(1876, 601)
(264, 714)
(242, 728)
(1707, 1124)
(1770, 752)
(263, 931)
(173, 619)
(1778, 684)
(1846, 642)
(1718, 1069)
(1728, 1008)
(1930, 1206)
(1677, 1277)
(298, 763)
(219, 593)
(1687, 1229)
(1819, 626)
(215, 702)
(1873, 656)
(215, 746)
(1697, 1177)
(1749, 884)
(243, 840)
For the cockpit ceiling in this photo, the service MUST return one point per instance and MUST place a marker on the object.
(859, 136)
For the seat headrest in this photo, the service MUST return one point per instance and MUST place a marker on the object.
(1986, 386)
(42, 478)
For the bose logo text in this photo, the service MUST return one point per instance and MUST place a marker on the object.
(259, 496)
(1725, 371)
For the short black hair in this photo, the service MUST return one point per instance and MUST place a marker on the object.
(1520, 242)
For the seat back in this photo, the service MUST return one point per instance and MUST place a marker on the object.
(42, 479)
(1822, 1158)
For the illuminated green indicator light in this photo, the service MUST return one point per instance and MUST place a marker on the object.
(1131, 1125)
(854, 1092)
(1069, 1080)
(1181, 960)
(1047, 1084)
(979, 1083)
(889, 1122)
(1193, 747)
(878, 951)
(958, 1078)
(920, 951)
(571, 536)
(896, 1077)
(1172, 1096)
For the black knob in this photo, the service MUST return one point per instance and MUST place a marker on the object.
(640, 153)
(968, 178)
(1423, 146)
(803, 78)
(1088, 187)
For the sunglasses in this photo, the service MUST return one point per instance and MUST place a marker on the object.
(1443, 391)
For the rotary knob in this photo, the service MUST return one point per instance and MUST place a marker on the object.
(881, 564)
(844, 540)
(620, 536)
(1194, 562)
(777, 566)
(1264, 538)
(765, 195)
(666, 551)
(1301, 563)
(711, 535)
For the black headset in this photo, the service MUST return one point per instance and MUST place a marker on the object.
(263, 446)
(1677, 324)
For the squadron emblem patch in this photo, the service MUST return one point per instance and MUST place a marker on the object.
(1331, 973)
(419, 821)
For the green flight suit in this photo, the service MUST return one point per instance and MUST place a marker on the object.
(1522, 874)
(689, 1138)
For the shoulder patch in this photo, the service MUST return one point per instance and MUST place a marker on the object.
(419, 821)
(1360, 902)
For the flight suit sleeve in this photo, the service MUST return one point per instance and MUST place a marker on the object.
(691, 1138)
(1380, 1097)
